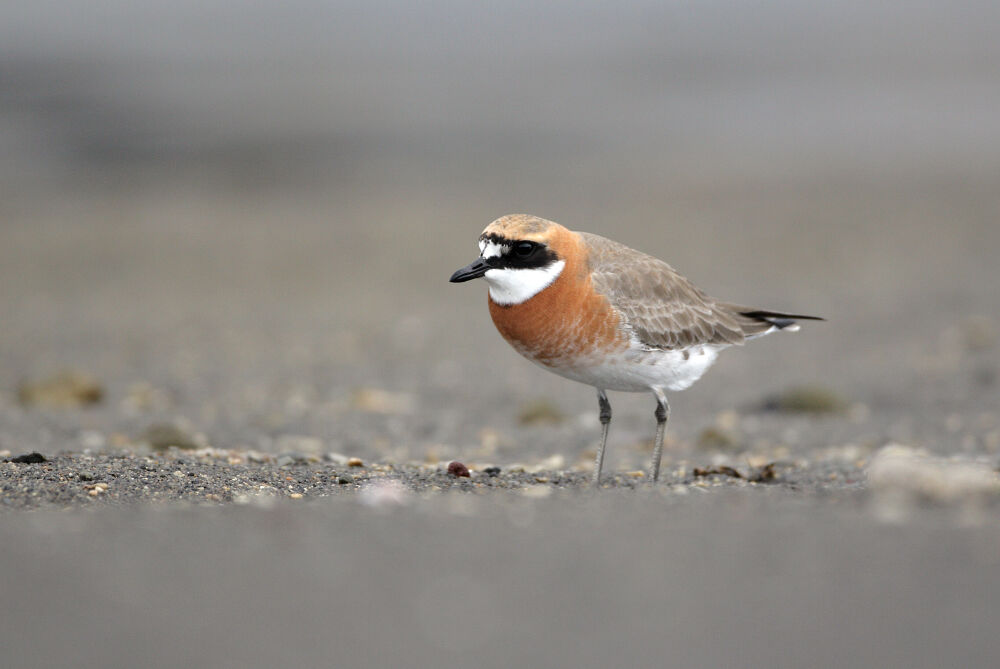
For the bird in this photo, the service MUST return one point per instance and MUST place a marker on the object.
(598, 312)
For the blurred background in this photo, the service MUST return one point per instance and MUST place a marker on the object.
(241, 217)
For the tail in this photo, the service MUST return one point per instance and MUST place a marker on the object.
(780, 320)
(757, 322)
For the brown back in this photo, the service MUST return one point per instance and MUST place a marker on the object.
(663, 309)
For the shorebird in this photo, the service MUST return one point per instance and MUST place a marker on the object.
(598, 312)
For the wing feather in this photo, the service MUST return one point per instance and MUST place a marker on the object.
(662, 308)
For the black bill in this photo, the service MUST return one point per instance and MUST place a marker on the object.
(473, 270)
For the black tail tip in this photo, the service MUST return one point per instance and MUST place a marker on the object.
(781, 320)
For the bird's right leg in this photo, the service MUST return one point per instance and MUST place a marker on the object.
(605, 415)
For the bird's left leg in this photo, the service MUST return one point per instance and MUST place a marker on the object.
(605, 415)
(662, 416)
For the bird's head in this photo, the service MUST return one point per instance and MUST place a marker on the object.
(519, 256)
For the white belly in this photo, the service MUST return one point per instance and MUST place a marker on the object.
(640, 370)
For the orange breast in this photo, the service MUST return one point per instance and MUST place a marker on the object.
(564, 322)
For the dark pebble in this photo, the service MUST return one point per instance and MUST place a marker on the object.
(492, 471)
(456, 468)
(29, 458)
(86, 476)
(344, 479)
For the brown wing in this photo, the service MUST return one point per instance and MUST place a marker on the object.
(661, 307)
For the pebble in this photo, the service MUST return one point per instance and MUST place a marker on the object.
(86, 475)
(161, 436)
(492, 471)
(67, 390)
(29, 458)
(345, 479)
(296, 495)
(288, 459)
(355, 462)
(456, 468)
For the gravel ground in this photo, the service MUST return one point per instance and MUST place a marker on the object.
(69, 480)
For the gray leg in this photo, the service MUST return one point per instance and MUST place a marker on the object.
(662, 416)
(602, 401)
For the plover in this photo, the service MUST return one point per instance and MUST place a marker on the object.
(598, 312)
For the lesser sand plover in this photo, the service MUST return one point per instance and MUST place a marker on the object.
(601, 313)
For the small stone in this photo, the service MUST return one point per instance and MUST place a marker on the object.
(296, 495)
(355, 462)
(345, 479)
(161, 436)
(67, 390)
(94, 492)
(637, 474)
(29, 458)
(456, 468)
(492, 471)
(86, 475)
(288, 459)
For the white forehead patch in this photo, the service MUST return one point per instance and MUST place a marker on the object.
(514, 286)
(490, 249)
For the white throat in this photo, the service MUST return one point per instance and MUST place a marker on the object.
(514, 286)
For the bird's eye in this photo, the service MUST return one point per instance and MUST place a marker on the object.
(524, 249)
